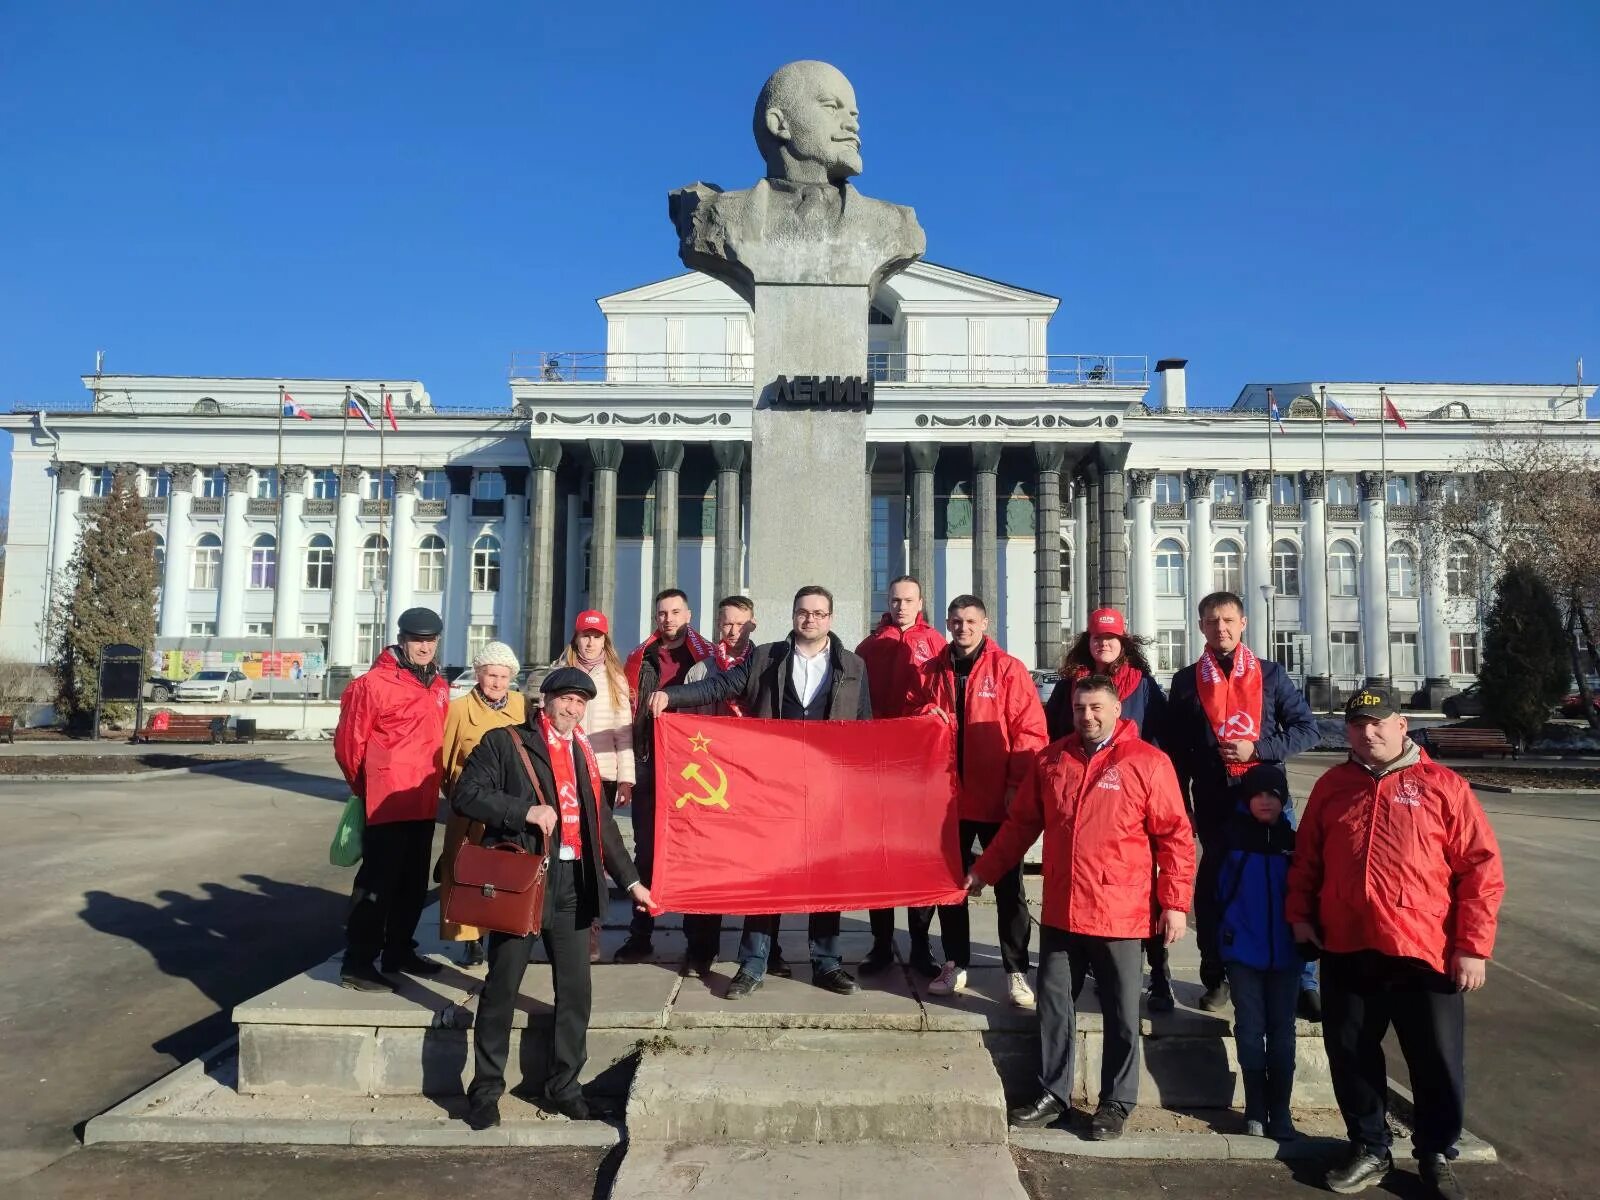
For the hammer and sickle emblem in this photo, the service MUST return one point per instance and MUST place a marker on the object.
(711, 796)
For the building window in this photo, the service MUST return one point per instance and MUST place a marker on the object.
(1171, 650)
(202, 629)
(369, 641)
(213, 484)
(1398, 491)
(1169, 568)
(315, 629)
(1227, 568)
(102, 481)
(430, 564)
(160, 550)
(1285, 489)
(379, 486)
(1345, 647)
(267, 484)
(478, 636)
(207, 563)
(1286, 650)
(1225, 489)
(1452, 491)
(325, 485)
(488, 485)
(1463, 654)
(433, 485)
(319, 563)
(1169, 488)
(879, 510)
(1066, 566)
(374, 562)
(486, 564)
(1402, 655)
(1342, 580)
(1460, 572)
(1402, 572)
(258, 629)
(1285, 569)
(264, 561)
(1341, 489)
(160, 484)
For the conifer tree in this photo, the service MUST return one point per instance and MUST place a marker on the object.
(1525, 654)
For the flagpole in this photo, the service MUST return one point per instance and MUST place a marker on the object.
(277, 549)
(1383, 472)
(1272, 528)
(1327, 608)
(381, 601)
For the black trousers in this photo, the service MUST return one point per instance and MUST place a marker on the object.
(566, 941)
(390, 889)
(1363, 995)
(955, 925)
(1115, 962)
(643, 810)
(1208, 905)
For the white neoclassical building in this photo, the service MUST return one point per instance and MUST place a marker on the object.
(1045, 482)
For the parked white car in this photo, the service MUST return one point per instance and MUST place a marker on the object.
(214, 685)
(463, 683)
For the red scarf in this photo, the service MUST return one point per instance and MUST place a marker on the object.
(699, 648)
(560, 750)
(726, 662)
(1232, 703)
(1127, 677)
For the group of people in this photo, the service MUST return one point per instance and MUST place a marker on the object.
(1150, 805)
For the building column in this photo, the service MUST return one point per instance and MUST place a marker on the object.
(457, 564)
(1197, 482)
(1314, 587)
(1080, 554)
(607, 457)
(402, 546)
(1113, 456)
(1258, 561)
(346, 570)
(69, 498)
(870, 620)
(1435, 629)
(235, 552)
(291, 545)
(513, 543)
(985, 523)
(1048, 458)
(175, 577)
(1142, 555)
(1090, 474)
(669, 462)
(539, 612)
(1374, 580)
(924, 459)
(728, 559)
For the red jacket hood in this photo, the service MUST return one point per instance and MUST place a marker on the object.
(1125, 731)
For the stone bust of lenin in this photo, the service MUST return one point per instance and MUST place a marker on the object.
(803, 223)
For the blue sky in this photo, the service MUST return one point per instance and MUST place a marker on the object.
(1357, 191)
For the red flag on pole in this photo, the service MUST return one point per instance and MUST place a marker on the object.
(762, 816)
(388, 411)
(1390, 412)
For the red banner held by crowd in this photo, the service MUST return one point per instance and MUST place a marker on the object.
(758, 816)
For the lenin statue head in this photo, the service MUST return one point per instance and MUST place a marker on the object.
(807, 126)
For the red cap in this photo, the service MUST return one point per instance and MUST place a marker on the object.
(591, 621)
(1107, 620)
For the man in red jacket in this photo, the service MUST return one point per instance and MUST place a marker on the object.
(999, 726)
(894, 652)
(391, 729)
(1397, 878)
(1109, 807)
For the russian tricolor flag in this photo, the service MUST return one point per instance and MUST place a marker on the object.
(1335, 409)
(293, 408)
(358, 408)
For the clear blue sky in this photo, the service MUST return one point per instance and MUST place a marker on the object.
(1358, 191)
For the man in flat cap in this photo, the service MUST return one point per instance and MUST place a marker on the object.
(561, 805)
(388, 743)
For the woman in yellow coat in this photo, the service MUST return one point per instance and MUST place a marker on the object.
(490, 704)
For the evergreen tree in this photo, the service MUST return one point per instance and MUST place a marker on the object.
(1525, 659)
(107, 596)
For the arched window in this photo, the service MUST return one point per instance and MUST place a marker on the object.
(430, 564)
(207, 563)
(1460, 571)
(1341, 489)
(1169, 568)
(264, 561)
(486, 564)
(1398, 490)
(1342, 579)
(319, 563)
(374, 562)
(159, 549)
(1285, 569)
(1227, 567)
(1402, 571)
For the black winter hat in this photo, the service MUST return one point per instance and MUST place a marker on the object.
(421, 622)
(568, 679)
(1265, 777)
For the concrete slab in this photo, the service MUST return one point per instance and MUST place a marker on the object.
(884, 1172)
(438, 1062)
(885, 1002)
(1203, 1072)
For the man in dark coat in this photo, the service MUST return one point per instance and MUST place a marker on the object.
(809, 676)
(1226, 713)
(566, 809)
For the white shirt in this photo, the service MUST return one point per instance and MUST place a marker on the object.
(809, 674)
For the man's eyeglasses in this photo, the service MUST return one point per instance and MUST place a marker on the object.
(811, 614)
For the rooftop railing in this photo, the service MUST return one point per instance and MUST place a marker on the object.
(990, 370)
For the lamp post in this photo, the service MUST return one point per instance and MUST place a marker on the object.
(1266, 606)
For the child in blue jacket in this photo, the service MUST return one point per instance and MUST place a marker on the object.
(1258, 948)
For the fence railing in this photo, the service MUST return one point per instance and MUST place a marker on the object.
(993, 370)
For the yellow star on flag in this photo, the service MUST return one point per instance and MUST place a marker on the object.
(699, 742)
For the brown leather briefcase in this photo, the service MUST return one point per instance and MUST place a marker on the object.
(500, 887)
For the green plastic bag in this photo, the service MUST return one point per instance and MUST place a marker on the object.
(345, 850)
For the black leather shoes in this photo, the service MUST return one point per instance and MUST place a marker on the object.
(700, 968)
(411, 964)
(574, 1109)
(1043, 1111)
(838, 981)
(1107, 1124)
(635, 949)
(743, 984)
(922, 963)
(1216, 998)
(879, 958)
(1438, 1173)
(484, 1116)
(778, 966)
(1360, 1171)
(363, 977)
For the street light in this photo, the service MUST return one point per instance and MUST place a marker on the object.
(1266, 606)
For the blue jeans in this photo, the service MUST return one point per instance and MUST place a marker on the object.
(1263, 1016)
(756, 944)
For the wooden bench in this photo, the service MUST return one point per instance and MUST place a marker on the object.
(185, 729)
(1453, 739)
(8, 728)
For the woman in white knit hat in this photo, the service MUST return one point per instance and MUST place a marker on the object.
(490, 704)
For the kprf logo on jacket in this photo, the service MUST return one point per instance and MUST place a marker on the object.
(986, 688)
(1111, 781)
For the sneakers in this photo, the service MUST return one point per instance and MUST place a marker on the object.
(636, 949)
(950, 981)
(1438, 1173)
(1019, 993)
(1363, 1168)
(1216, 998)
(1108, 1122)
